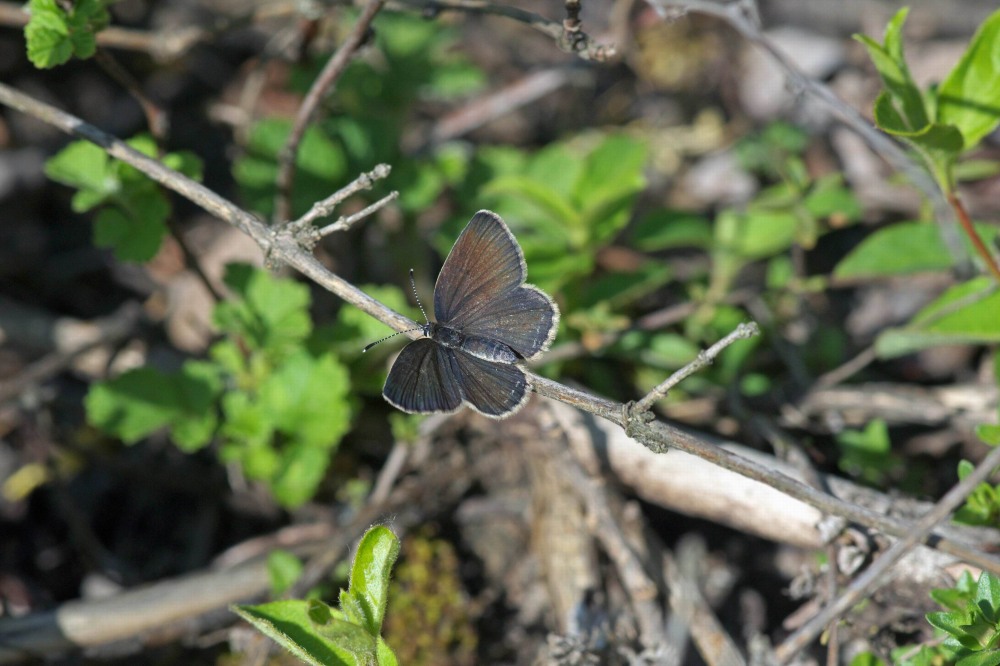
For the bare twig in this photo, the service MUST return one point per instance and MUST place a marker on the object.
(572, 41)
(344, 223)
(742, 332)
(639, 586)
(714, 644)
(363, 182)
(875, 575)
(280, 244)
(325, 82)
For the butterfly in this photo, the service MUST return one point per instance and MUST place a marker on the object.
(487, 322)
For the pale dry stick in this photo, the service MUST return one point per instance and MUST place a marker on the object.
(876, 574)
(363, 182)
(323, 84)
(639, 586)
(714, 644)
(658, 437)
(741, 15)
(742, 332)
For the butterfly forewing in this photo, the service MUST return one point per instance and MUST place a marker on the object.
(424, 379)
(493, 389)
(485, 263)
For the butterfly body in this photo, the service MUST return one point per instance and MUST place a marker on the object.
(489, 320)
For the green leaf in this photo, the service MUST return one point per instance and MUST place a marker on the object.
(136, 239)
(369, 585)
(84, 166)
(307, 398)
(987, 658)
(965, 314)
(988, 597)
(300, 470)
(283, 569)
(989, 433)
(289, 624)
(890, 62)
(755, 234)
(272, 314)
(53, 35)
(969, 97)
(666, 229)
(143, 400)
(902, 249)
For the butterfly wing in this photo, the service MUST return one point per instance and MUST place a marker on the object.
(424, 379)
(492, 389)
(481, 290)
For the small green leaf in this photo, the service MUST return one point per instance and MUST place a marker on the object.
(901, 249)
(985, 658)
(53, 35)
(989, 433)
(283, 569)
(988, 597)
(137, 239)
(968, 97)
(369, 586)
(273, 313)
(143, 400)
(84, 166)
(666, 229)
(288, 623)
(756, 233)
(965, 314)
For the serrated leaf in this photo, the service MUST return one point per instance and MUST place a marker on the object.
(137, 239)
(288, 624)
(53, 35)
(968, 97)
(272, 314)
(84, 166)
(301, 468)
(307, 397)
(370, 575)
(47, 37)
(141, 401)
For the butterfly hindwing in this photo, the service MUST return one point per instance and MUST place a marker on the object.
(424, 379)
(492, 389)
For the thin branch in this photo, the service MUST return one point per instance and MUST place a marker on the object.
(323, 84)
(638, 584)
(282, 245)
(344, 223)
(660, 437)
(742, 332)
(363, 182)
(571, 40)
(877, 574)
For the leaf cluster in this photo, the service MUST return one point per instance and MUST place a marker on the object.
(55, 34)
(322, 635)
(276, 408)
(134, 210)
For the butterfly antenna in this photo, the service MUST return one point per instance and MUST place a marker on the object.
(367, 347)
(413, 284)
